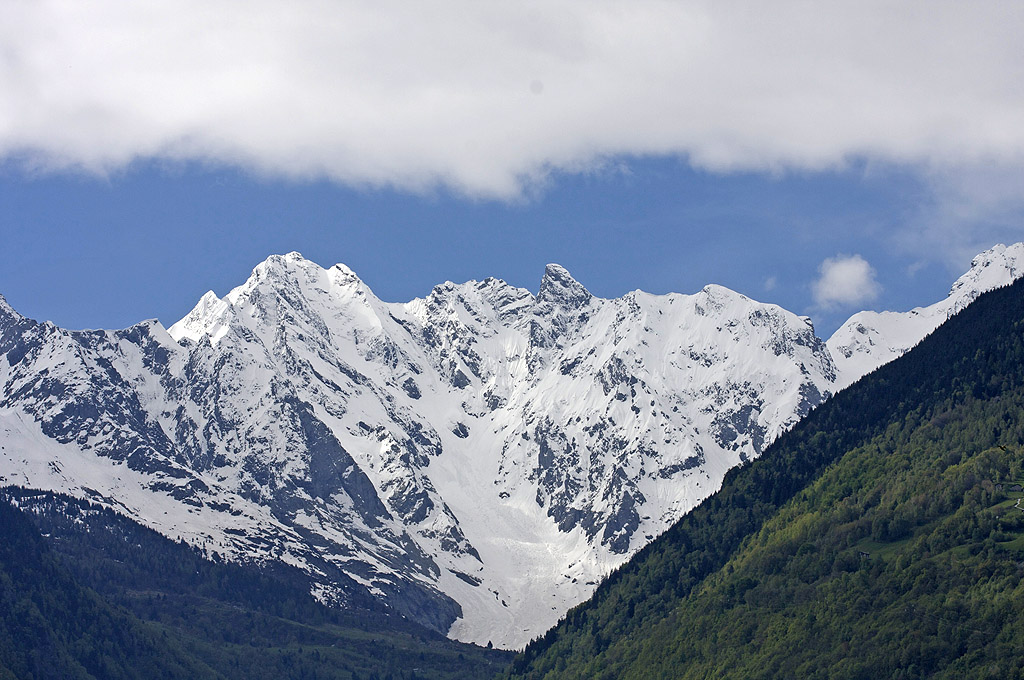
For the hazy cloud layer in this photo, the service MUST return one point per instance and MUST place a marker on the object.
(486, 98)
(845, 280)
(967, 210)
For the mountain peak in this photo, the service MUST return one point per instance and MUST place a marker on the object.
(7, 312)
(286, 261)
(201, 319)
(4, 307)
(294, 264)
(720, 292)
(558, 286)
(342, 274)
(869, 339)
(995, 267)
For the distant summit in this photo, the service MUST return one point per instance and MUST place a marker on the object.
(869, 339)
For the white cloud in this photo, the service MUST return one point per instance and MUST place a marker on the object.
(486, 98)
(845, 280)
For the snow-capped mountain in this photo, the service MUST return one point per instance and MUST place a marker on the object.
(477, 458)
(869, 339)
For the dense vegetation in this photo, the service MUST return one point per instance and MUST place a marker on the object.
(103, 597)
(52, 627)
(878, 539)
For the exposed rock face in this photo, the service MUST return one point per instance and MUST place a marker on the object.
(478, 458)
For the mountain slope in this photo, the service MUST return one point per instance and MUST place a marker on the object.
(767, 578)
(869, 339)
(477, 459)
(159, 607)
(51, 626)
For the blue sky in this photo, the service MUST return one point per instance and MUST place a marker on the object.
(152, 153)
(89, 252)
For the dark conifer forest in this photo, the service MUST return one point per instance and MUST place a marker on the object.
(103, 597)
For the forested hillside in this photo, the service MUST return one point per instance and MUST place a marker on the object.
(103, 597)
(52, 627)
(882, 537)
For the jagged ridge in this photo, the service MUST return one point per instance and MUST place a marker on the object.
(477, 458)
(480, 456)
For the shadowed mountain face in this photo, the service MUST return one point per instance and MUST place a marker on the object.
(477, 459)
(881, 537)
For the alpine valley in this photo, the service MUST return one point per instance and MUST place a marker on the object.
(477, 460)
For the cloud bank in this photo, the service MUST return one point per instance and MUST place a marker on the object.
(845, 280)
(488, 98)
